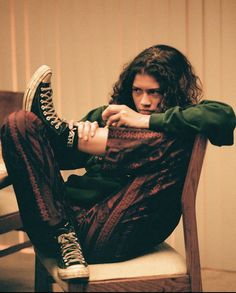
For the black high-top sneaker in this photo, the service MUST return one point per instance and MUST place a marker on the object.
(38, 99)
(71, 263)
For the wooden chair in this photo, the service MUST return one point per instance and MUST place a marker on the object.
(9, 214)
(163, 269)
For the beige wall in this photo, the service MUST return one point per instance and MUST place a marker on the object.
(87, 42)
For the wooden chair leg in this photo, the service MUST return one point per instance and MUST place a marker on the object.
(43, 281)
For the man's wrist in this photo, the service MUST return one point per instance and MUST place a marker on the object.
(144, 121)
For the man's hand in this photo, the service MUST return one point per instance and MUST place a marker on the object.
(122, 115)
(85, 129)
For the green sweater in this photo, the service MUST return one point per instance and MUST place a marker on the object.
(214, 119)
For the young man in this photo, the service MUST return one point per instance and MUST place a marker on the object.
(135, 150)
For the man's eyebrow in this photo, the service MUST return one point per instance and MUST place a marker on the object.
(152, 89)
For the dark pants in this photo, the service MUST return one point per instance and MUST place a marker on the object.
(124, 224)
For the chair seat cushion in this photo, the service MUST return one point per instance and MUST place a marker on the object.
(163, 260)
(8, 203)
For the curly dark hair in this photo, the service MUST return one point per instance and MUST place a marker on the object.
(170, 68)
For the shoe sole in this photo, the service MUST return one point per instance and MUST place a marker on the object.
(34, 82)
(76, 273)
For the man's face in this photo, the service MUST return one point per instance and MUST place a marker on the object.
(146, 94)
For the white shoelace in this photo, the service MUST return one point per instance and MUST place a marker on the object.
(48, 107)
(71, 250)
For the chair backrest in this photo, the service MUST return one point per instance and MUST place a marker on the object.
(189, 212)
(10, 219)
(9, 102)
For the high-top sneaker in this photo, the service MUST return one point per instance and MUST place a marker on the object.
(38, 99)
(71, 263)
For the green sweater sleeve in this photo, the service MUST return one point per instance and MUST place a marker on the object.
(95, 115)
(214, 119)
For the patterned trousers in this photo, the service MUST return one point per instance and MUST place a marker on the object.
(128, 222)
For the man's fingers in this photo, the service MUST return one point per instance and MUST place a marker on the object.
(80, 129)
(121, 123)
(111, 110)
(87, 129)
(94, 126)
(71, 124)
(113, 119)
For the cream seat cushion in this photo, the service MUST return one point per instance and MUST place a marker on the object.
(163, 260)
(8, 203)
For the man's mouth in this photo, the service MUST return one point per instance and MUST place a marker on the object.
(146, 112)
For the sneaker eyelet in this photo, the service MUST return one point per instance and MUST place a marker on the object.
(48, 118)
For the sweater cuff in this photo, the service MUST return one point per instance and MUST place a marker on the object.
(156, 122)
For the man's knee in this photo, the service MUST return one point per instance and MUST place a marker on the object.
(18, 121)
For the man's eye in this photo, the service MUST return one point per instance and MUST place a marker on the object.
(137, 90)
(156, 92)
(151, 92)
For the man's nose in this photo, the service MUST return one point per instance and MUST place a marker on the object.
(145, 99)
